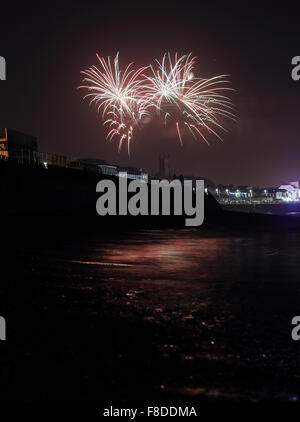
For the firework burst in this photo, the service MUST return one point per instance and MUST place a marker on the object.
(170, 88)
(117, 95)
(173, 88)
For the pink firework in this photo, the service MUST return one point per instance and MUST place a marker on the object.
(170, 89)
(118, 95)
(173, 89)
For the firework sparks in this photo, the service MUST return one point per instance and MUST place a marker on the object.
(201, 103)
(171, 89)
(118, 95)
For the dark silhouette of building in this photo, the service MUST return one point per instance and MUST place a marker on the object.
(17, 145)
(164, 166)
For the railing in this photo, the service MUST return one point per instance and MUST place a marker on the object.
(51, 159)
(28, 157)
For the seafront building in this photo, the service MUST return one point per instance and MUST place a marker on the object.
(231, 194)
(23, 149)
(17, 145)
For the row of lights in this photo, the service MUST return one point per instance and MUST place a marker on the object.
(238, 191)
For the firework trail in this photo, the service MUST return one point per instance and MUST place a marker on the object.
(118, 95)
(173, 88)
(170, 89)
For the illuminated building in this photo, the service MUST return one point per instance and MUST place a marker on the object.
(133, 173)
(3, 145)
(18, 146)
(93, 165)
(289, 192)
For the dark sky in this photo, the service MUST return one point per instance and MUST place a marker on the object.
(47, 47)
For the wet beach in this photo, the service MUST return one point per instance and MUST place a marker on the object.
(162, 315)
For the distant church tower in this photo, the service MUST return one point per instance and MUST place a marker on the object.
(164, 166)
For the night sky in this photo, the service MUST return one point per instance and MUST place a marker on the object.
(47, 47)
